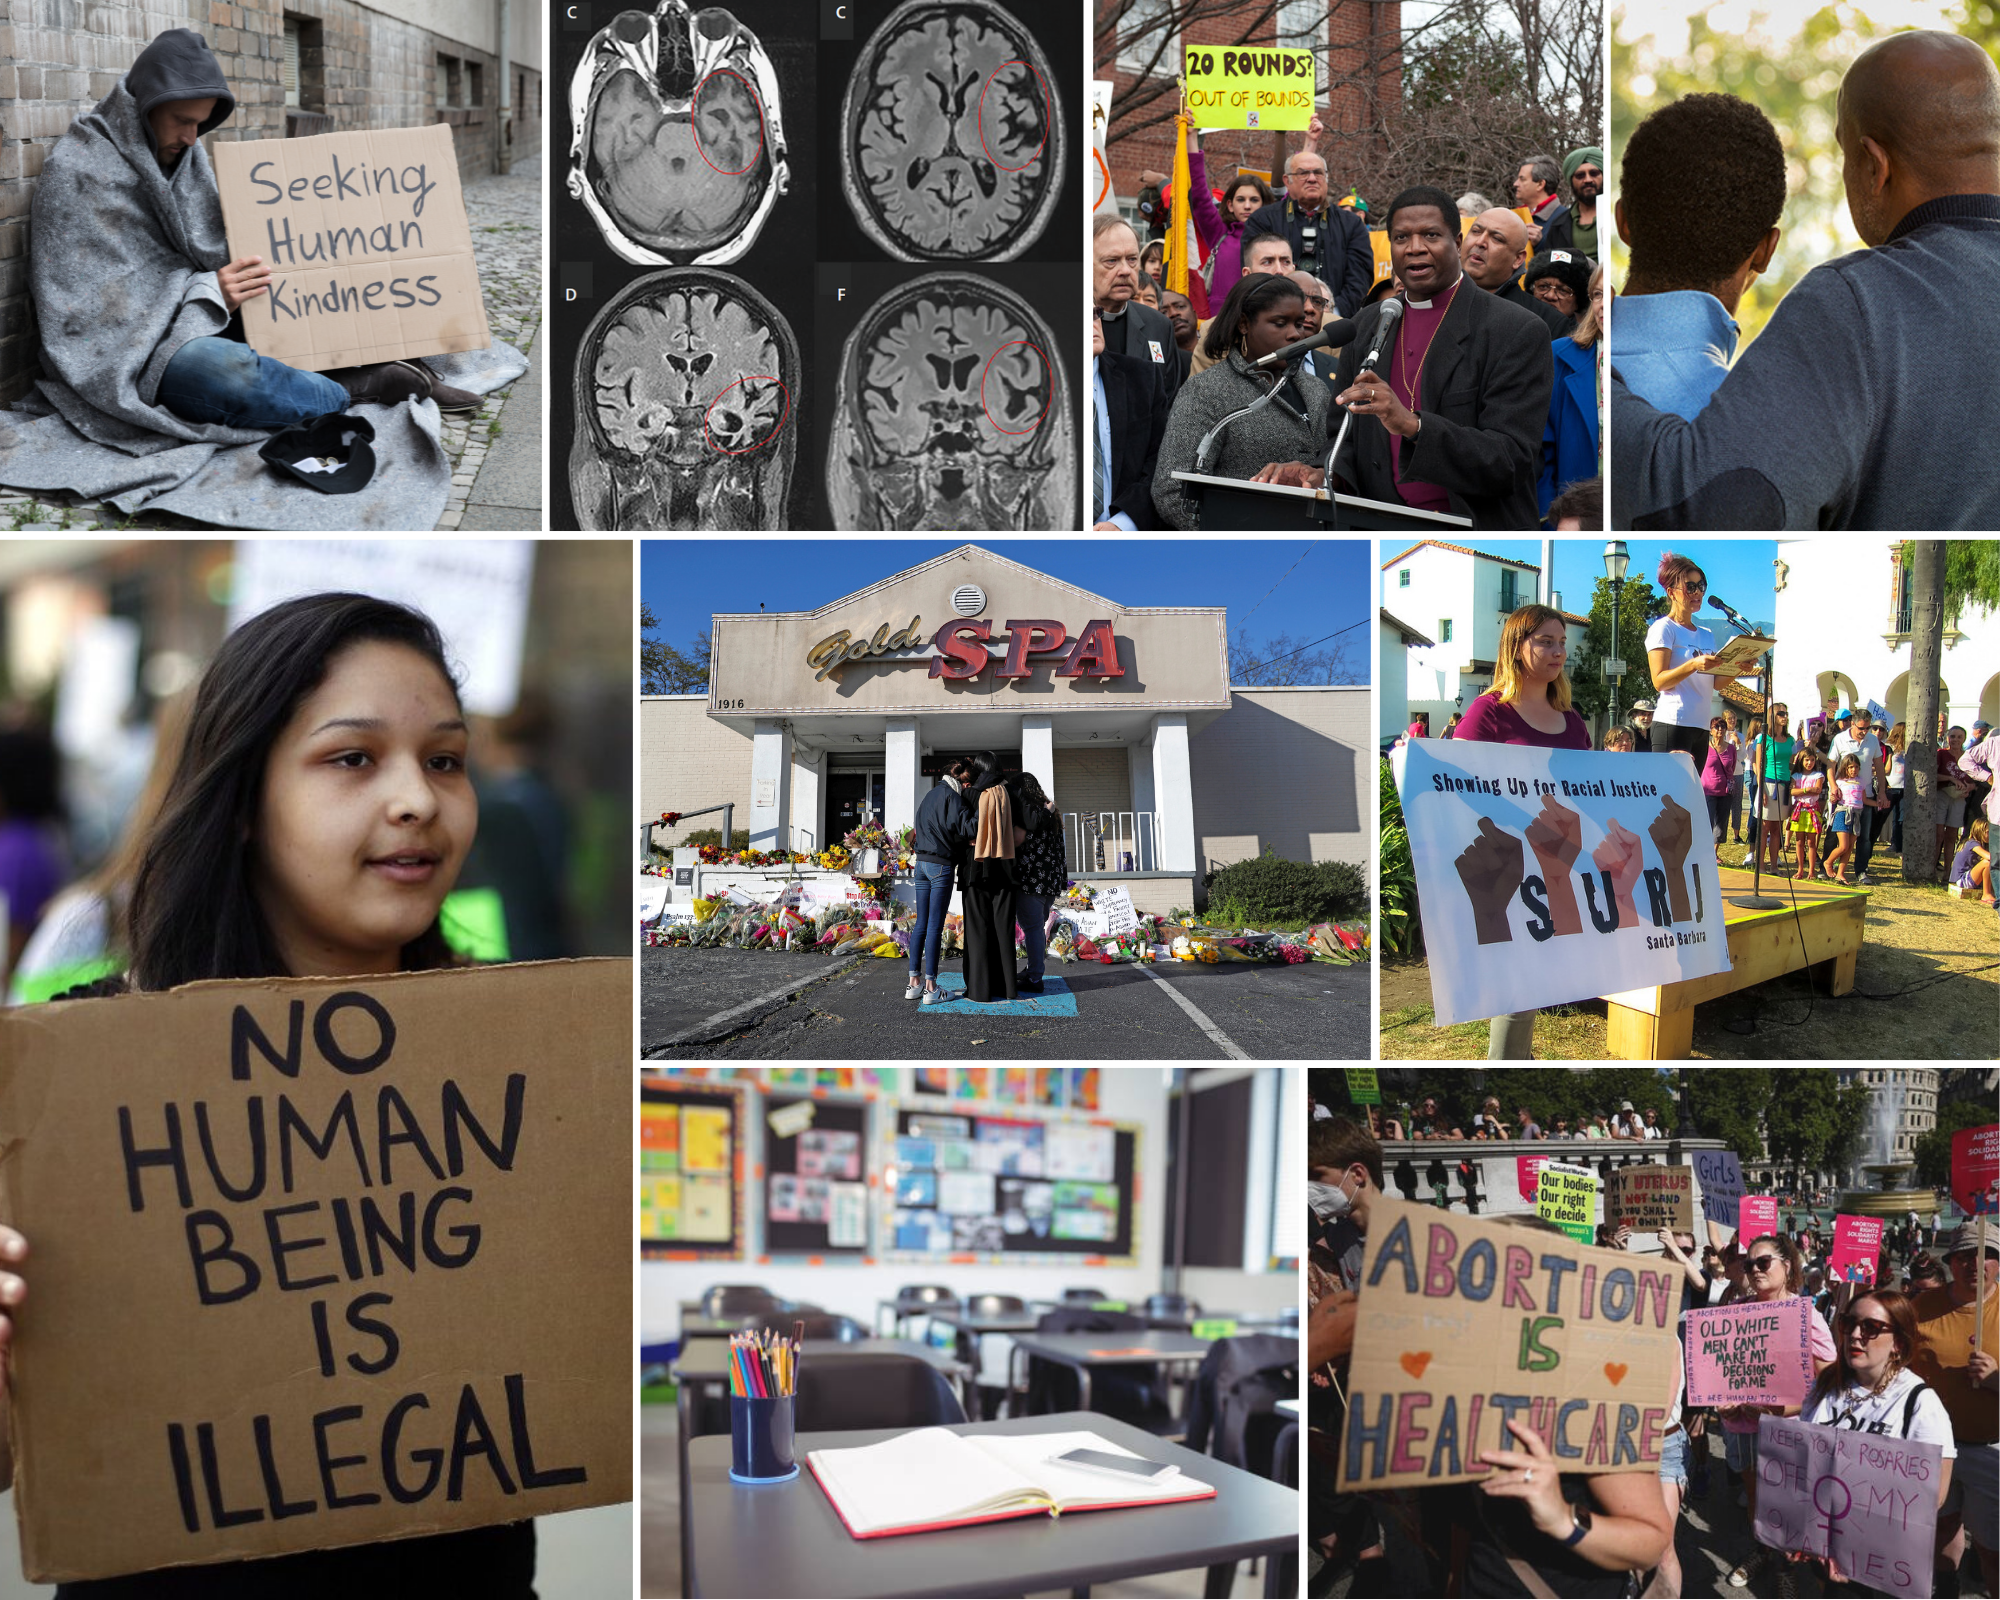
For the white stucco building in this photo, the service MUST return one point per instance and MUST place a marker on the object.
(1839, 636)
(1394, 639)
(1459, 597)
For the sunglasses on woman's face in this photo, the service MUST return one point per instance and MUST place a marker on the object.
(1762, 1263)
(1869, 1329)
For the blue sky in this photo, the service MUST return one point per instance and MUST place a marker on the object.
(685, 581)
(1736, 569)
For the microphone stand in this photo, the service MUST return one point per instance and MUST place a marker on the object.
(1756, 900)
(1204, 454)
(1331, 513)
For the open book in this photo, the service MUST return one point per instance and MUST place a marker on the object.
(933, 1478)
(1744, 653)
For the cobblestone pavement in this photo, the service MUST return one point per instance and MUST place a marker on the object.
(505, 214)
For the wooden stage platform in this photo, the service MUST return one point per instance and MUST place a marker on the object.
(1657, 1024)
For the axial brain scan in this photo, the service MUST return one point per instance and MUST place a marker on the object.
(952, 135)
(686, 388)
(953, 412)
(677, 145)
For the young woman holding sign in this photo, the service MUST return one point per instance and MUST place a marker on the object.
(1528, 704)
(319, 815)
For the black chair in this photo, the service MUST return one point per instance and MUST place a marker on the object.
(1175, 1307)
(993, 1305)
(1083, 1297)
(1233, 1416)
(816, 1324)
(736, 1300)
(1288, 1317)
(874, 1391)
(1136, 1392)
(914, 1299)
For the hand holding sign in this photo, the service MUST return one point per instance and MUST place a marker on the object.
(1556, 837)
(1672, 832)
(243, 279)
(1533, 1475)
(1490, 869)
(13, 1290)
(1621, 855)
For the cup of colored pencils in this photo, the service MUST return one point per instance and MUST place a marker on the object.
(763, 1384)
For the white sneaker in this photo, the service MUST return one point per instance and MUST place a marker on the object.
(915, 990)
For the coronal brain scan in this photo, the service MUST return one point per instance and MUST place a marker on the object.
(953, 143)
(952, 412)
(677, 145)
(685, 395)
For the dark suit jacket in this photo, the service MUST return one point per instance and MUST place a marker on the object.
(1487, 381)
(1135, 334)
(1555, 231)
(1136, 398)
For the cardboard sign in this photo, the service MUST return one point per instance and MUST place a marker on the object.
(1464, 1323)
(1363, 1088)
(1975, 1170)
(1752, 1354)
(1868, 1501)
(1567, 1196)
(1528, 1174)
(367, 242)
(1115, 906)
(1759, 1214)
(318, 1262)
(1649, 1199)
(1857, 1247)
(1721, 1177)
(1243, 86)
(1547, 876)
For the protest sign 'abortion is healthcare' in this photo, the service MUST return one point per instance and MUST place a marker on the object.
(1546, 876)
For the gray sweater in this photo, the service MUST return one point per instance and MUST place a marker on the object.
(1868, 401)
(1277, 433)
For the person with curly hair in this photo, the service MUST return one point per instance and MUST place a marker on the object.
(1702, 185)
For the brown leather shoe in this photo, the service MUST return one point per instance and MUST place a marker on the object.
(448, 398)
(388, 383)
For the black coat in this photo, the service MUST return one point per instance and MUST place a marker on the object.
(944, 826)
(1487, 380)
(988, 896)
(1556, 234)
(1135, 395)
(1346, 259)
(1138, 333)
(1560, 326)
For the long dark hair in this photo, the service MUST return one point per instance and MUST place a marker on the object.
(193, 913)
(1254, 292)
(985, 770)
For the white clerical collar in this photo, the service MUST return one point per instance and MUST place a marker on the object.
(1425, 305)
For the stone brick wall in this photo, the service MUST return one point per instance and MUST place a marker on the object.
(58, 58)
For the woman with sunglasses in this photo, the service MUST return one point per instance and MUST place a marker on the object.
(1772, 1271)
(1682, 659)
(1870, 1388)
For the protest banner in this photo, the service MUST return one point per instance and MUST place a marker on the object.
(366, 238)
(1528, 1173)
(1464, 1323)
(1567, 1196)
(1857, 1246)
(1720, 1175)
(318, 1262)
(1546, 876)
(1868, 1501)
(1242, 86)
(1975, 1170)
(1362, 1087)
(1648, 1198)
(1759, 1213)
(1753, 1354)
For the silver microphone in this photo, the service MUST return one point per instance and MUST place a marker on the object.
(1385, 330)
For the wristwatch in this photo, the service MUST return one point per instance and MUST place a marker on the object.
(1582, 1515)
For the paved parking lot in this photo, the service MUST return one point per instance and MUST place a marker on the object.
(702, 1005)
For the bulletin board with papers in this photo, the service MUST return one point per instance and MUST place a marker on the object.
(1010, 1187)
(691, 1172)
(815, 1177)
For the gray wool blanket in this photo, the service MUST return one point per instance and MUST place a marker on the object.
(123, 261)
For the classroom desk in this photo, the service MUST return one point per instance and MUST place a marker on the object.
(971, 1330)
(785, 1538)
(904, 1310)
(1079, 1351)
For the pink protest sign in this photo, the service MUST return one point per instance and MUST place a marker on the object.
(1857, 1245)
(1748, 1355)
(1760, 1216)
(1867, 1501)
(1528, 1173)
(1975, 1169)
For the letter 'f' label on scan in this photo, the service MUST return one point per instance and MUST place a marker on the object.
(366, 238)
(376, 1233)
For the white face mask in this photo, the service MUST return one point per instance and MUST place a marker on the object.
(1329, 1201)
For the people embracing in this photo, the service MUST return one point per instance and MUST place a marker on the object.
(944, 828)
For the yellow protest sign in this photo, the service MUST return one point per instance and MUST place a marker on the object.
(1237, 86)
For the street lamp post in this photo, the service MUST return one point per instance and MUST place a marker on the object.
(1616, 559)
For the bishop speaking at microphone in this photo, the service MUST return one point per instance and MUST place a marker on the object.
(1450, 416)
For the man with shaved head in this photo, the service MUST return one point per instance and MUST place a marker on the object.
(1868, 401)
(1496, 248)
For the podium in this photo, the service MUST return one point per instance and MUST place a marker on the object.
(1236, 505)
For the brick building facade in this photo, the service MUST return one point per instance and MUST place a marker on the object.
(300, 66)
(1361, 84)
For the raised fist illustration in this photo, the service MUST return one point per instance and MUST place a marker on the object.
(1490, 869)
(1556, 837)
(1621, 855)
(1672, 833)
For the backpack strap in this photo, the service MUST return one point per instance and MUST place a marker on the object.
(1910, 1405)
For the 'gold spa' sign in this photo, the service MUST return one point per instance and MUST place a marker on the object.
(962, 650)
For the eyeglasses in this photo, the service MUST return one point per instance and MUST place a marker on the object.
(1869, 1329)
(1588, 172)
(1762, 1263)
(1318, 300)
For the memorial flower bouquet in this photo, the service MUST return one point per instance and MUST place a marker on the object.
(869, 836)
(834, 858)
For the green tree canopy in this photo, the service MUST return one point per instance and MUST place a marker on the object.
(1810, 1127)
(1728, 1104)
(1971, 574)
(663, 669)
(1590, 693)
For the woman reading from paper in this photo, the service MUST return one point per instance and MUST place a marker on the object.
(1529, 704)
(320, 814)
(1682, 659)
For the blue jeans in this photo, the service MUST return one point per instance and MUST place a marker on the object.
(933, 888)
(221, 381)
(1032, 912)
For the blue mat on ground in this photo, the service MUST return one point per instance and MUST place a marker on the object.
(1055, 1000)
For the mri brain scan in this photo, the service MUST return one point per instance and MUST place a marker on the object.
(952, 413)
(686, 390)
(677, 145)
(952, 135)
